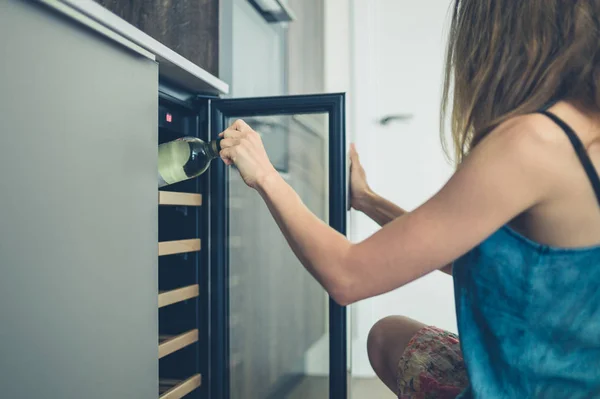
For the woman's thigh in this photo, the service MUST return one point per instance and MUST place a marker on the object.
(432, 364)
(412, 358)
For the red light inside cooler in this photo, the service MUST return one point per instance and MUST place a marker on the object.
(169, 118)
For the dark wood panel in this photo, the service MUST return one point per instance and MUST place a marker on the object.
(189, 27)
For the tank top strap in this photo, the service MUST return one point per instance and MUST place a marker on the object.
(580, 150)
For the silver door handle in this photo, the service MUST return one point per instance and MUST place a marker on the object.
(393, 118)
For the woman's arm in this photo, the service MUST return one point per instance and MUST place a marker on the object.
(503, 177)
(365, 200)
(378, 208)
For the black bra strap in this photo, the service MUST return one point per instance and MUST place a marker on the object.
(580, 151)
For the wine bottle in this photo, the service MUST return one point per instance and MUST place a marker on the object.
(185, 158)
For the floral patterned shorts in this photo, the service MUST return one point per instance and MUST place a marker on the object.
(432, 366)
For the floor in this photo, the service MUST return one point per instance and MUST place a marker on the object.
(362, 388)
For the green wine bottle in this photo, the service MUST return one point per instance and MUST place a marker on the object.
(185, 158)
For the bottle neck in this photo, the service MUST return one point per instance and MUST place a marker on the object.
(215, 148)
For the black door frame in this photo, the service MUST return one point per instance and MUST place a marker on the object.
(219, 111)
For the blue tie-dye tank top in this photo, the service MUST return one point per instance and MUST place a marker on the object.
(529, 314)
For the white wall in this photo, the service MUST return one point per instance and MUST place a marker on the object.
(397, 62)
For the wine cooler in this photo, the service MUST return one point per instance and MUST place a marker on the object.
(220, 334)
(182, 266)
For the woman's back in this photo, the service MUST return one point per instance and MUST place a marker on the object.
(529, 308)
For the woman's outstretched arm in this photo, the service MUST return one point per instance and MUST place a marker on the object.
(504, 176)
(365, 200)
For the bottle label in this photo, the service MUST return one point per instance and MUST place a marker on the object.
(172, 157)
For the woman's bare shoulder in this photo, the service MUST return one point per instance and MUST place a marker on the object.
(533, 136)
(536, 129)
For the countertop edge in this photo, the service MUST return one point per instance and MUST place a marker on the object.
(171, 65)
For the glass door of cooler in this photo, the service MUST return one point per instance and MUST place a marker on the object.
(282, 336)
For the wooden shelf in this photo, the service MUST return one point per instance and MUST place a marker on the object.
(176, 389)
(166, 298)
(170, 344)
(178, 247)
(173, 198)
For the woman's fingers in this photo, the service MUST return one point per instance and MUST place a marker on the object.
(241, 146)
(229, 142)
(232, 133)
(228, 155)
(236, 129)
(239, 125)
(354, 154)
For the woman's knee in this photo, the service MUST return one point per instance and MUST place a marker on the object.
(389, 337)
(378, 335)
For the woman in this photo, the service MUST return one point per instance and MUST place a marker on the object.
(519, 221)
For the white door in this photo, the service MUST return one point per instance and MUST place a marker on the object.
(398, 61)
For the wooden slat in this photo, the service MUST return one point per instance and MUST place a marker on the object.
(170, 344)
(178, 247)
(167, 298)
(176, 389)
(173, 198)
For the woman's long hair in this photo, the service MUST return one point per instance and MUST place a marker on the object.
(511, 57)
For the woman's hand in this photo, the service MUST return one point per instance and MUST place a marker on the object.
(359, 188)
(242, 146)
